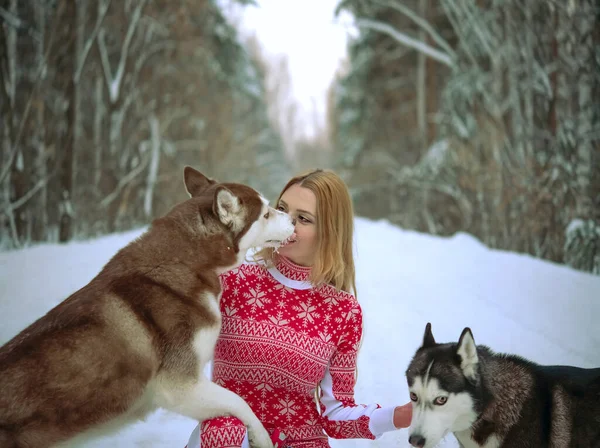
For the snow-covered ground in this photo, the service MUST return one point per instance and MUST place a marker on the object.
(543, 311)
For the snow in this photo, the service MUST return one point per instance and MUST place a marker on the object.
(574, 226)
(514, 303)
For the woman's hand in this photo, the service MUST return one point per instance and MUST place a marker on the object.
(403, 415)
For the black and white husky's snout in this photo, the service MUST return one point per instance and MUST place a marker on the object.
(417, 440)
(494, 400)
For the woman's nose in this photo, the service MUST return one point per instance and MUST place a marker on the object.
(293, 221)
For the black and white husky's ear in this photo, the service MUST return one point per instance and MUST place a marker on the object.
(428, 340)
(195, 182)
(227, 207)
(467, 351)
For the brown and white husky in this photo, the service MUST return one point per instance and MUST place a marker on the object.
(138, 336)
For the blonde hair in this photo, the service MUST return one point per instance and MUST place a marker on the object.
(334, 260)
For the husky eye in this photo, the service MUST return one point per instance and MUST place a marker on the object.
(266, 215)
(440, 401)
(413, 396)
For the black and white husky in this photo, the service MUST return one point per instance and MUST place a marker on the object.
(497, 401)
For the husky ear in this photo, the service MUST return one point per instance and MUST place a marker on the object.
(195, 182)
(226, 206)
(467, 351)
(428, 340)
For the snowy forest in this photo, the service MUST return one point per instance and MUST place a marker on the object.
(448, 116)
(103, 103)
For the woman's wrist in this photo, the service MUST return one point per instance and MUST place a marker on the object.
(403, 416)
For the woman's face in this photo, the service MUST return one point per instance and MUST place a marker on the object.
(301, 204)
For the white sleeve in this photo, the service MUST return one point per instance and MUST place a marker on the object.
(381, 420)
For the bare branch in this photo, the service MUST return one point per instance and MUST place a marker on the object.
(27, 196)
(129, 177)
(406, 40)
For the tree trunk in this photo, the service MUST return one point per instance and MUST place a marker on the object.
(40, 227)
(421, 88)
(97, 133)
(155, 146)
(65, 71)
(9, 174)
(431, 67)
(552, 114)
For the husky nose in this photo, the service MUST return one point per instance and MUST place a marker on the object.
(417, 440)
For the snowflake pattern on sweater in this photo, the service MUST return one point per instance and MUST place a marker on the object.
(279, 339)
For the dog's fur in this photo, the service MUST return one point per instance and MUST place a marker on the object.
(139, 335)
(498, 401)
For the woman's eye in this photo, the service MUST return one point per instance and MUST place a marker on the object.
(303, 219)
(280, 208)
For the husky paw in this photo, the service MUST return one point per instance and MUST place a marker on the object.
(259, 437)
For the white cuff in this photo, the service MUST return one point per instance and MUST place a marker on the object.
(382, 421)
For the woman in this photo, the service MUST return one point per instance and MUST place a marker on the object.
(292, 329)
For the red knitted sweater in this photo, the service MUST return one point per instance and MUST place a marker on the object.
(280, 338)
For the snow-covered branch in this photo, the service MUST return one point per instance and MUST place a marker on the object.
(460, 9)
(114, 82)
(11, 41)
(424, 24)
(10, 18)
(102, 11)
(104, 58)
(404, 39)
